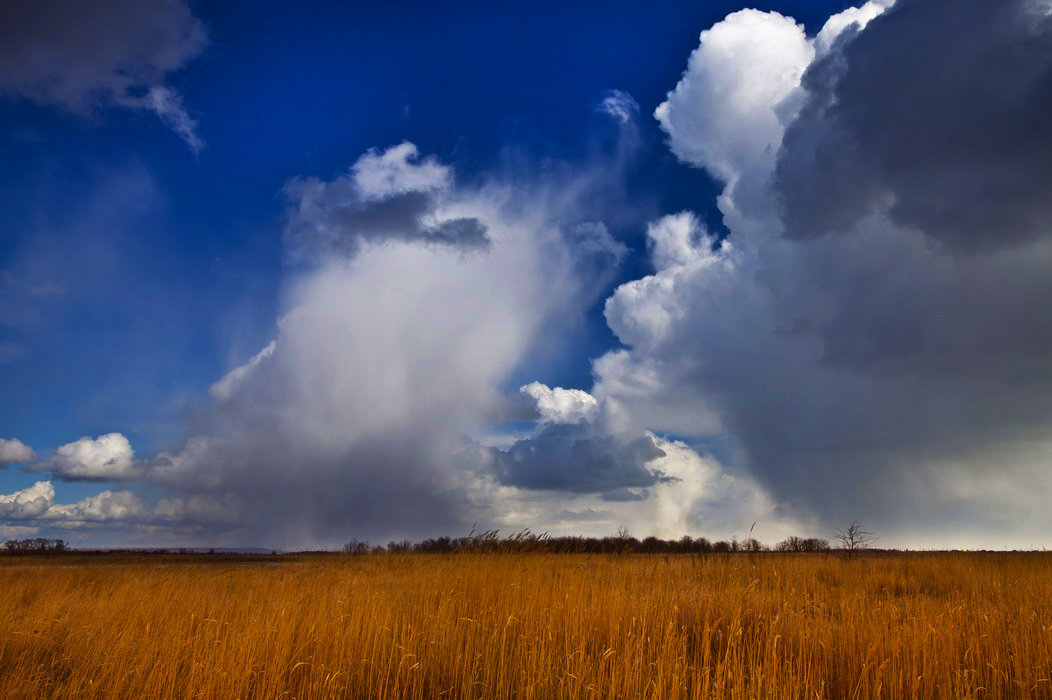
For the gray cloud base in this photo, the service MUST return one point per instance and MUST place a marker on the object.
(573, 458)
(340, 221)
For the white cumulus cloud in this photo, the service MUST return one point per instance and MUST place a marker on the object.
(14, 451)
(31, 502)
(398, 170)
(106, 458)
(560, 405)
(722, 115)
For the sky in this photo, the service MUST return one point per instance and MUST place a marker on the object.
(286, 274)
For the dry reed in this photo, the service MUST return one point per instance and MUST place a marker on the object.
(531, 626)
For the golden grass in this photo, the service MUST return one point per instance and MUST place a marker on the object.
(532, 626)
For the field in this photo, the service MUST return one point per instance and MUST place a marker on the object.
(534, 626)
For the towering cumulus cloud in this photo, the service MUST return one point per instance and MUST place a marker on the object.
(425, 296)
(874, 332)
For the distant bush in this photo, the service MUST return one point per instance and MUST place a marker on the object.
(356, 547)
(802, 544)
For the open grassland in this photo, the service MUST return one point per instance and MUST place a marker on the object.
(535, 625)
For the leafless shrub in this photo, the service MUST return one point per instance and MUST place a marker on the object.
(802, 544)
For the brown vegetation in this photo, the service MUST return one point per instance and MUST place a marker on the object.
(772, 625)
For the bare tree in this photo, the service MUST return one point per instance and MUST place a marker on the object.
(854, 538)
(623, 540)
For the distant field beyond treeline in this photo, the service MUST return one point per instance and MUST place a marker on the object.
(925, 625)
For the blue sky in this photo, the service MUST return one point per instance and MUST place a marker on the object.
(137, 270)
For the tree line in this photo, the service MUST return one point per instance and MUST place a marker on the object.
(851, 539)
(621, 542)
(35, 545)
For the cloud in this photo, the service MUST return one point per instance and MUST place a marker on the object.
(364, 416)
(225, 387)
(586, 515)
(889, 364)
(84, 56)
(167, 104)
(14, 451)
(15, 531)
(619, 105)
(696, 495)
(852, 19)
(678, 239)
(722, 114)
(643, 313)
(387, 196)
(28, 503)
(570, 450)
(198, 509)
(625, 495)
(106, 458)
(361, 418)
(572, 458)
(398, 170)
(122, 506)
(956, 151)
(560, 405)
(870, 341)
(34, 507)
(584, 454)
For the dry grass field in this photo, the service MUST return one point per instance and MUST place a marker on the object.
(532, 626)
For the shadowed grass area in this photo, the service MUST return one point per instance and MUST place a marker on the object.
(535, 625)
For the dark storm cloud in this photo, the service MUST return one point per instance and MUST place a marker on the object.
(85, 55)
(934, 116)
(936, 113)
(378, 489)
(897, 368)
(347, 223)
(572, 458)
(463, 233)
